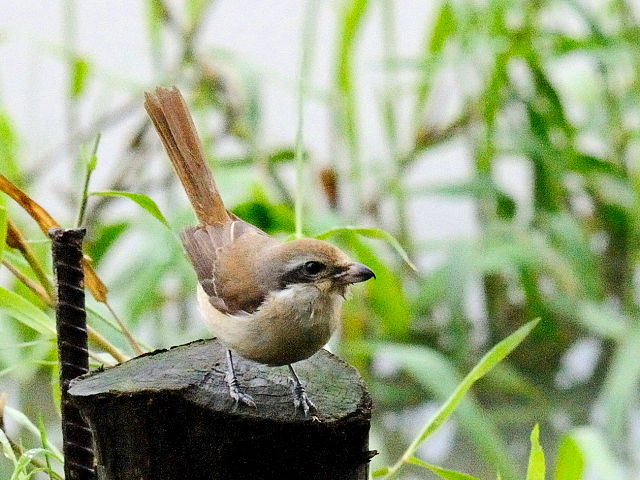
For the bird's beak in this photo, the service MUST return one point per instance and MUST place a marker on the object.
(357, 272)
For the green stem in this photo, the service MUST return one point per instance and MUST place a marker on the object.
(308, 40)
(391, 124)
(125, 331)
(353, 18)
(36, 288)
(91, 165)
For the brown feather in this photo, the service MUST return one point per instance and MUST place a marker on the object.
(172, 120)
(225, 258)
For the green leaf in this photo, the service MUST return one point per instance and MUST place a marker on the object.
(620, 386)
(79, 73)
(603, 319)
(142, 200)
(371, 233)
(386, 294)
(104, 236)
(6, 448)
(264, 214)
(284, 155)
(570, 461)
(26, 312)
(22, 420)
(92, 161)
(3, 228)
(598, 454)
(488, 361)
(9, 161)
(43, 441)
(25, 460)
(441, 472)
(445, 26)
(381, 472)
(437, 374)
(536, 469)
(195, 10)
(353, 16)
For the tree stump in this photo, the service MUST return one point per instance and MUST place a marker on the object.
(167, 415)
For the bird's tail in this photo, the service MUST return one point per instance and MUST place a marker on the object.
(174, 124)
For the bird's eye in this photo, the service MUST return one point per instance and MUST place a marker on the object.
(313, 268)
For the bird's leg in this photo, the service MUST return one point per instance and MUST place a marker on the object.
(232, 382)
(300, 399)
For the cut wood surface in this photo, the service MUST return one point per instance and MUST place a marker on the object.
(168, 415)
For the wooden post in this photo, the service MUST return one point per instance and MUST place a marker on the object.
(167, 415)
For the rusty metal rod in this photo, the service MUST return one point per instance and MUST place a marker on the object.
(73, 352)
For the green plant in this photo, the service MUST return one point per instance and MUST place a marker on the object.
(554, 102)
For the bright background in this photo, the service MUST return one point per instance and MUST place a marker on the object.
(497, 140)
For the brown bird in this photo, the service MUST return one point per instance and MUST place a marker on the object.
(270, 301)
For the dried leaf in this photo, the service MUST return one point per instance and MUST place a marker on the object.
(46, 222)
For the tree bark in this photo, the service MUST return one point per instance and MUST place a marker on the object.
(168, 415)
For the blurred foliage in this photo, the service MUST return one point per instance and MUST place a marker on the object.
(547, 88)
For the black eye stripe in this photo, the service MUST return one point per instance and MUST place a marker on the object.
(305, 273)
(313, 268)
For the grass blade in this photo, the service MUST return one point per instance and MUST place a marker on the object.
(142, 200)
(7, 450)
(491, 359)
(3, 228)
(91, 162)
(26, 313)
(570, 461)
(621, 383)
(536, 469)
(25, 459)
(376, 233)
(598, 454)
(43, 440)
(441, 472)
(22, 420)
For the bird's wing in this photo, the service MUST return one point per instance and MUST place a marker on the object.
(226, 277)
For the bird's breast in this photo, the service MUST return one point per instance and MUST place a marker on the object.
(292, 324)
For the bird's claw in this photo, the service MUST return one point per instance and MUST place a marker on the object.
(301, 400)
(239, 397)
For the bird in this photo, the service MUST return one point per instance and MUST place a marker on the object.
(271, 301)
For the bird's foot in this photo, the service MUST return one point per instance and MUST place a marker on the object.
(238, 395)
(301, 400)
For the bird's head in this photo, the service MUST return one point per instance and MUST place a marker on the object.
(319, 263)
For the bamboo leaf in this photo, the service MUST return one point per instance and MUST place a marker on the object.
(488, 361)
(22, 420)
(620, 386)
(441, 472)
(24, 461)
(9, 161)
(536, 469)
(6, 448)
(43, 441)
(445, 26)
(3, 228)
(142, 200)
(26, 313)
(376, 233)
(79, 74)
(570, 461)
(39, 214)
(598, 454)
